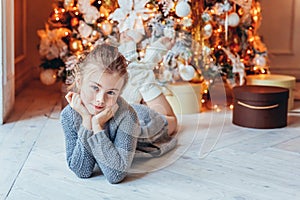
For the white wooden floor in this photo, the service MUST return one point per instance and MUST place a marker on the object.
(214, 159)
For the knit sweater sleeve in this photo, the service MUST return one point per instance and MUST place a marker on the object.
(114, 156)
(79, 157)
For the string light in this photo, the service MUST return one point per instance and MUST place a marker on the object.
(255, 18)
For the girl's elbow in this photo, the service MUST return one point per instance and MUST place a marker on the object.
(80, 173)
(116, 178)
(114, 181)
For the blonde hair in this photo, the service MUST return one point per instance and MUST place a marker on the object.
(107, 58)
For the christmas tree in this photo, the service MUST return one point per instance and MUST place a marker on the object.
(208, 37)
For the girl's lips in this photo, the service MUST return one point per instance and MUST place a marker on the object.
(99, 107)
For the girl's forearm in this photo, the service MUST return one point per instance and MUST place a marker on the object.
(172, 124)
(86, 122)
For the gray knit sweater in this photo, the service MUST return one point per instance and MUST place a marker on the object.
(134, 131)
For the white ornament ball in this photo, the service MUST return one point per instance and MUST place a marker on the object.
(48, 76)
(182, 9)
(260, 60)
(207, 30)
(187, 72)
(233, 19)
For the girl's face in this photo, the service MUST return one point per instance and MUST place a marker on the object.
(100, 90)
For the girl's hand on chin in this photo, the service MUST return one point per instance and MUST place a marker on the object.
(75, 102)
(99, 120)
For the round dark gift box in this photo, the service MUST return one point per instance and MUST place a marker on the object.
(260, 106)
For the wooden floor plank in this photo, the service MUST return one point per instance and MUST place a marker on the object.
(17, 144)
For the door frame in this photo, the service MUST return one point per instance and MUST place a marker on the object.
(7, 67)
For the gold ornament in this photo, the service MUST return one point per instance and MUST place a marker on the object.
(75, 45)
(74, 21)
(48, 76)
(104, 11)
(106, 28)
(110, 4)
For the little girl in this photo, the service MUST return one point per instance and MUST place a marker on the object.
(101, 128)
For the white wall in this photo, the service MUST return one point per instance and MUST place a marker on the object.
(281, 32)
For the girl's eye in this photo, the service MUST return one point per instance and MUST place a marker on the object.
(95, 88)
(111, 93)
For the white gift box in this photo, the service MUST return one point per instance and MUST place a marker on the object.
(275, 80)
(184, 97)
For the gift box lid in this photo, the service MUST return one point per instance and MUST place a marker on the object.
(260, 93)
(272, 80)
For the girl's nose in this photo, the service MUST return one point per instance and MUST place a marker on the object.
(100, 98)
